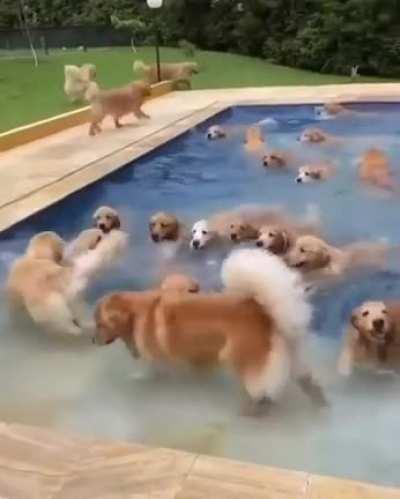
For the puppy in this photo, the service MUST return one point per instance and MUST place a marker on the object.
(179, 72)
(372, 337)
(50, 286)
(254, 141)
(216, 132)
(117, 103)
(277, 160)
(374, 169)
(204, 235)
(316, 136)
(333, 110)
(316, 258)
(314, 173)
(256, 326)
(106, 219)
(77, 81)
(165, 227)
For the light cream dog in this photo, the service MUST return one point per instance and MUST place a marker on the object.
(317, 136)
(50, 284)
(77, 80)
(372, 337)
(315, 173)
(106, 219)
(256, 327)
(317, 259)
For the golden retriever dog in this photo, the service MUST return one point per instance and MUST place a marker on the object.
(77, 80)
(277, 160)
(317, 136)
(166, 227)
(334, 110)
(178, 72)
(315, 173)
(374, 169)
(317, 259)
(256, 327)
(106, 219)
(280, 239)
(372, 337)
(254, 141)
(50, 286)
(117, 102)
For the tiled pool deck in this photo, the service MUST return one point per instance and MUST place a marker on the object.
(40, 464)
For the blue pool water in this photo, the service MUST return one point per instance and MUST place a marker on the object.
(104, 392)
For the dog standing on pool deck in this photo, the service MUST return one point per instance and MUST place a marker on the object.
(257, 326)
(372, 337)
(116, 102)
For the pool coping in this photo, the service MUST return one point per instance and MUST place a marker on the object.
(24, 206)
(38, 463)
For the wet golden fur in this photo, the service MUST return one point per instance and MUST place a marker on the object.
(166, 227)
(374, 169)
(372, 338)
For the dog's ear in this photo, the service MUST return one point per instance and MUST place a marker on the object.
(116, 222)
(323, 257)
(280, 245)
(119, 316)
(315, 175)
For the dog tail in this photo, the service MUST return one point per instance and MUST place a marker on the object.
(278, 289)
(106, 254)
(140, 67)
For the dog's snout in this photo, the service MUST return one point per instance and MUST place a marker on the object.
(102, 227)
(259, 244)
(209, 136)
(298, 180)
(196, 244)
(378, 324)
(155, 237)
(234, 237)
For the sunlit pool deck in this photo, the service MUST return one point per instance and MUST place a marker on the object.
(40, 463)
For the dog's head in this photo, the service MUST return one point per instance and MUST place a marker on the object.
(274, 159)
(88, 72)
(106, 219)
(309, 253)
(253, 135)
(46, 246)
(193, 67)
(215, 132)
(313, 136)
(164, 227)
(372, 321)
(180, 283)
(114, 318)
(201, 235)
(307, 174)
(239, 231)
(274, 239)
(143, 87)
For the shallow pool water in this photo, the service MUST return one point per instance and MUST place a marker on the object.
(70, 384)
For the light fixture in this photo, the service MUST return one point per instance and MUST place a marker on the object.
(154, 4)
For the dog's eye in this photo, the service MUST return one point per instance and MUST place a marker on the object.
(163, 226)
(271, 234)
(241, 227)
(307, 174)
(384, 312)
(232, 226)
(365, 314)
(302, 250)
(194, 231)
(273, 158)
(204, 232)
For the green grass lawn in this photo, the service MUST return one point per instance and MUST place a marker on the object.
(29, 94)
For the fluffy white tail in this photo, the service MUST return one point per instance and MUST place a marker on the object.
(278, 289)
(140, 66)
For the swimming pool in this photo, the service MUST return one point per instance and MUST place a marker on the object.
(103, 392)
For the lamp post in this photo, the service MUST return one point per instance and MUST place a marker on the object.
(156, 4)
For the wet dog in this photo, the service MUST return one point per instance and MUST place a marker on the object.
(314, 173)
(317, 259)
(316, 136)
(106, 219)
(166, 227)
(256, 326)
(374, 169)
(372, 337)
(254, 141)
(277, 160)
(216, 132)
